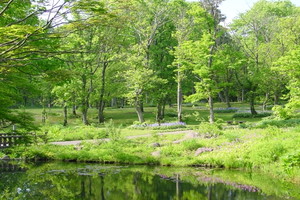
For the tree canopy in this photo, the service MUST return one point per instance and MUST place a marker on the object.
(100, 53)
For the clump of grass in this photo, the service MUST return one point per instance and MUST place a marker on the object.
(113, 132)
(291, 160)
(192, 144)
(207, 129)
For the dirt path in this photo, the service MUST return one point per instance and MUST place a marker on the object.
(77, 142)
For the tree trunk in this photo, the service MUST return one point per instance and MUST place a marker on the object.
(25, 99)
(243, 95)
(44, 115)
(252, 101)
(65, 115)
(142, 105)
(159, 112)
(101, 97)
(179, 97)
(140, 114)
(85, 101)
(163, 109)
(264, 106)
(222, 99)
(211, 109)
(113, 102)
(122, 103)
(44, 112)
(226, 94)
(138, 109)
(101, 118)
(84, 116)
(74, 110)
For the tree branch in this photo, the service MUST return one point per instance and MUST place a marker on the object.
(6, 7)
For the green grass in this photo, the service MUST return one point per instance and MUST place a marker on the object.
(123, 118)
(272, 150)
(127, 116)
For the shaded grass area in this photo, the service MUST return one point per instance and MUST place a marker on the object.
(123, 118)
(127, 116)
(272, 150)
(52, 133)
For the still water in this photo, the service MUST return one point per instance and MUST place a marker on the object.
(66, 181)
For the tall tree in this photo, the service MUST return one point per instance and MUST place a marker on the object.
(183, 23)
(144, 32)
(199, 51)
(254, 32)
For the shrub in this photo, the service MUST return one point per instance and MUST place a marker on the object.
(114, 133)
(210, 130)
(191, 145)
(282, 113)
(292, 160)
(232, 136)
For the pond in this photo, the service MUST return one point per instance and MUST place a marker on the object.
(95, 181)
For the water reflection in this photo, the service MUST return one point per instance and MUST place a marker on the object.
(61, 181)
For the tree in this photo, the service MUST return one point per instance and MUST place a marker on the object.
(87, 56)
(255, 32)
(199, 51)
(144, 32)
(183, 23)
(22, 49)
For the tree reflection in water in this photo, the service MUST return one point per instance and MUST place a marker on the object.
(87, 181)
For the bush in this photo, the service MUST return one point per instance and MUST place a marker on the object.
(210, 130)
(232, 136)
(292, 160)
(249, 115)
(191, 145)
(282, 113)
(114, 133)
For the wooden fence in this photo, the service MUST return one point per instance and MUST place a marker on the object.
(9, 139)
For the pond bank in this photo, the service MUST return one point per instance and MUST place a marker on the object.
(272, 151)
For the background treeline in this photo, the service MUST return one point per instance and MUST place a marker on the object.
(80, 54)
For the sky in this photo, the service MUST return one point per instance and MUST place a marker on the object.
(231, 8)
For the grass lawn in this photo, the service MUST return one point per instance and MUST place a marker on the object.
(124, 117)
(271, 149)
(127, 116)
